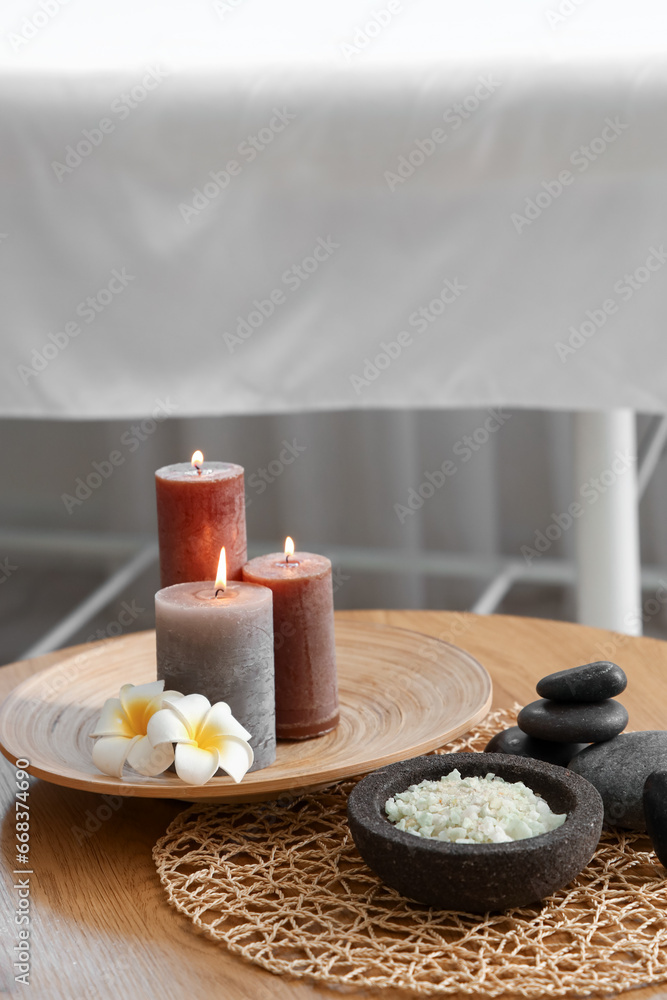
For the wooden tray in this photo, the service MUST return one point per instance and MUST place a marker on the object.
(401, 693)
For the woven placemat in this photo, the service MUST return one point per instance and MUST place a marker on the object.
(282, 884)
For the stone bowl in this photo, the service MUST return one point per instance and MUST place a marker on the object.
(476, 878)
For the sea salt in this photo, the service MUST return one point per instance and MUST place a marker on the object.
(473, 810)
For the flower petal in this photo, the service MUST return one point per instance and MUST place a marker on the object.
(194, 765)
(110, 753)
(113, 721)
(190, 709)
(166, 727)
(153, 706)
(219, 721)
(150, 760)
(135, 699)
(235, 756)
(171, 695)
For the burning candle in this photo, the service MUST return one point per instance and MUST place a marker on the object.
(216, 638)
(303, 627)
(200, 507)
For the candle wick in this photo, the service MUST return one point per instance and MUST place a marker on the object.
(198, 468)
(220, 590)
(287, 557)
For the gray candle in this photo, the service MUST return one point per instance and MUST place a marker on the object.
(220, 644)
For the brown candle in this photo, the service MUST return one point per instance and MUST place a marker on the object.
(304, 645)
(200, 509)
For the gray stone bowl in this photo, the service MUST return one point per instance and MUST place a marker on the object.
(476, 878)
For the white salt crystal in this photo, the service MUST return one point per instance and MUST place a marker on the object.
(472, 810)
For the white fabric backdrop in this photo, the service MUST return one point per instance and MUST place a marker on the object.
(170, 272)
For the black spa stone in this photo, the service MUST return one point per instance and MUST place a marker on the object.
(655, 812)
(476, 878)
(590, 682)
(618, 769)
(514, 741)
(580, 722)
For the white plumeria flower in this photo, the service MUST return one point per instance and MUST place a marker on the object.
(206, 736)
(121, 732)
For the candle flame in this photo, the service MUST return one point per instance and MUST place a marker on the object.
(221, 575)
(289, 548)
(197, 460)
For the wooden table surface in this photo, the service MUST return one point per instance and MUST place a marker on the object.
(100, 924)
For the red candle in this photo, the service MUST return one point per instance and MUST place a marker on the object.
(304, 645)
(200, 509)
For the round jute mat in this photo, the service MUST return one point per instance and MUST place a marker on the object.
(282, 884)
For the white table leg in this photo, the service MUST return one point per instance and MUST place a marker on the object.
(607, 533)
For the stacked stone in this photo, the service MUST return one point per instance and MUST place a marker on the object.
(655, 809)
(630, 773)
(577, 724)
(577, 708)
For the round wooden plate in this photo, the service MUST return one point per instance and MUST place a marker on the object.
(401, 694)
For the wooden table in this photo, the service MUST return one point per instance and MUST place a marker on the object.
(101, 926)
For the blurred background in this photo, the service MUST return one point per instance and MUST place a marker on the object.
(338, 497)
